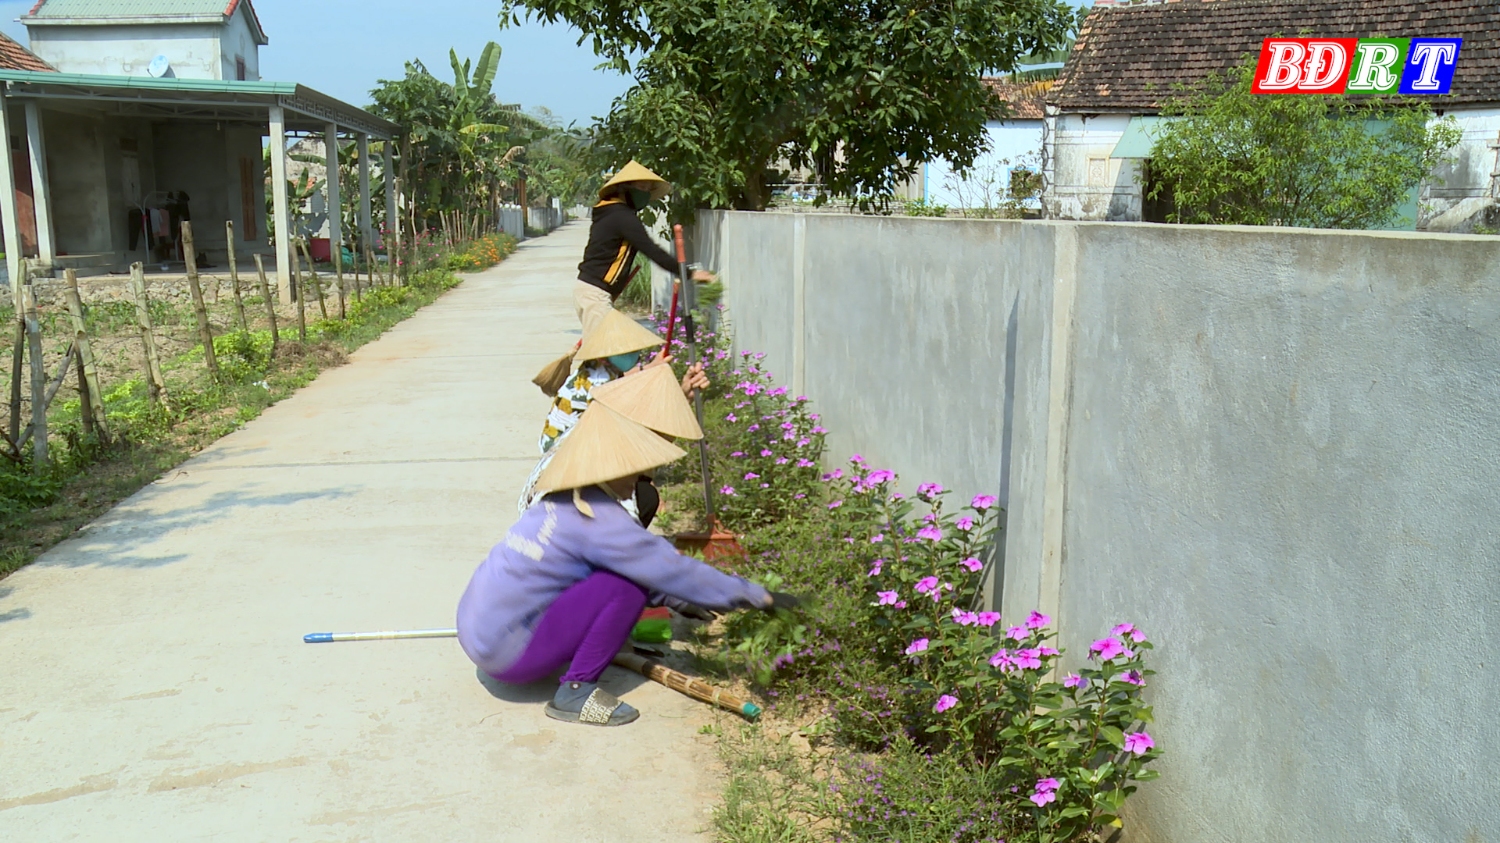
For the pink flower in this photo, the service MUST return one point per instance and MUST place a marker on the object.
(1002, 660)
(875, 571)
(966, 524)
(963, 618)
(1029, 659)
(944, 703)
(972, 564)
(1046, 785)
(901, 605)
(857, 459)
(1133, 677)
(727, 490)
(819, 431)
(777, 392)
(931, 532)
(1075, 681)
(737, 454)
(929, 490)
(731, 417)
(887, 598)
(1043, 798)
(782, 460)
(765, 452)
(1017, 633)
(752, 428)
(1107, 649)
(1139, 742)
(880, 475)
(877, 538)
(805, 463)
(803, 443)
(835, 504)
(983, 502)
(916, 646)
(988, 618)
(836, 474)
(1037, 620)
(1048, 651)
(750, 475)
(926, 584)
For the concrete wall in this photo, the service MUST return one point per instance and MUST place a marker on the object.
(1273, 449)
(193, 49)
(236, 41)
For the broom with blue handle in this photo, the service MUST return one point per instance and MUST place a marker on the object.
(649, 668)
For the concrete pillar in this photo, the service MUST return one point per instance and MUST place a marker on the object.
(335, 199)
(280, 212)
(366, 234)
(392, 212)
(9, 215)
(41, 196)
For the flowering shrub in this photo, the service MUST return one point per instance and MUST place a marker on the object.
(481, 253)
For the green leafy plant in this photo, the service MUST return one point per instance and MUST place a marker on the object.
(1235, 157)
(923, 208)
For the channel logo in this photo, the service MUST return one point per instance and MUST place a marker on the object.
(1356, 65)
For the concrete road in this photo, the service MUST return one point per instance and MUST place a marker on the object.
(153, 681)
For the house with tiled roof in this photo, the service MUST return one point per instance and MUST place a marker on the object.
(13, 56)
(189, 39)
(1014, 144)
(1130, 56)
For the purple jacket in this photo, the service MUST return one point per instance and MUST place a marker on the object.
(554, 546)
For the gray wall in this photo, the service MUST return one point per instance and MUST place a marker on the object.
(1275, 450)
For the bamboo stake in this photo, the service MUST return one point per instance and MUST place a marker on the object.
(265, 294)
(156, 386)
(86, 403)
(89, 391)
(370, 264)
(317, 284)
(50, 391)
(234, 277)
(38, 381)
(17, 362)
(301, 294)
(357, 295)
(205, 333)
(338, 275)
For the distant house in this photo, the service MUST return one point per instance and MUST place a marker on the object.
(200, 39)
(1108, 98)
(1015, 142)
(157, 116)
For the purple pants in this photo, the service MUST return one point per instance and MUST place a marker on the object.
(586, 625)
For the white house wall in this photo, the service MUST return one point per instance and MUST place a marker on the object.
(1083, 182)
(1012, 143)
(193, 49)
(1459, 189)
(237, 41)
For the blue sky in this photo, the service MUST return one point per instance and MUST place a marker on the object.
(539, 65)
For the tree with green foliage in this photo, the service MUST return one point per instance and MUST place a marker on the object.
(1235, 157)
(729, 96)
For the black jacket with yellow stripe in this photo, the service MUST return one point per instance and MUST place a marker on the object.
(614, 239)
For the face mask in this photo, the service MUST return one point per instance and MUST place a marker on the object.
(638, 199)
(625, 362)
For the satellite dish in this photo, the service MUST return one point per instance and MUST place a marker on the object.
(159, 67)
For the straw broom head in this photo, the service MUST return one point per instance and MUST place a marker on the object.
(616, 333)
(652, 398)
(604, 446)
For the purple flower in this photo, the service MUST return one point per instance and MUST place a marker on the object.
(944, 703)
(1075, 681)
(836, 474)
(877, 538)
(835, 504)
(1046, 785)
(916, 646)
(731, 417)
(813, 416)
(1002, 660)
(931, 532)
(1139, 742)
(788, 426)
(901, 604)
(750, 475)
(857, 459)
(929, 490)
(752, 428)
(1037, 620)
(1107, 649)
(1048, 651)
(983, 502)
(878, 476)
(887, 598)
(1132, 676)
(765, 452)
(782, 460)
(974, 565)
(988, 618)
(760, 355)
(800, 398)
(805, 463)
(799, 496)
(1017, 633)
(963, 618)
(819, 430)
(875, 571)
(777, 392)
(765, 485)
(1028, 659)
(737, 454)
(966, 524)
(727, 490)
(1042, 799)
(926, 584)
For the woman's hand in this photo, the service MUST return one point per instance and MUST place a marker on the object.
(662, 358)
(694, 380)
(703, 276)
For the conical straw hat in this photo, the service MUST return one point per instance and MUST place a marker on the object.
(616, 333)
(604, 446)
(635, 172)
(653, 398)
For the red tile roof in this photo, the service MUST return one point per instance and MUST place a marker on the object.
(1130, 57)
(13, 56)
(1025, 98)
